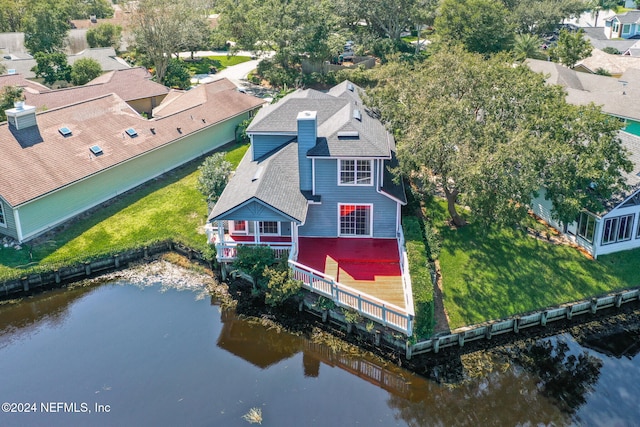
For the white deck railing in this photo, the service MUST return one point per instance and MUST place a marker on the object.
(228, 251)
(345, 296)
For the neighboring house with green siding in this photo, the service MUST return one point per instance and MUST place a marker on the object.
(60, 162)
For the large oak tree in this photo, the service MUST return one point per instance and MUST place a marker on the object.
(490, 134)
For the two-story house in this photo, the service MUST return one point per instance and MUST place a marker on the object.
(317, 185)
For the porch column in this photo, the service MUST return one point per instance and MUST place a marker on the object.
(256, 232)
(220, 224)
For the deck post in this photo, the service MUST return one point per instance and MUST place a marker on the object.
(409, 350)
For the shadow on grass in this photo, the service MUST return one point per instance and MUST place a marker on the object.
(493, 274)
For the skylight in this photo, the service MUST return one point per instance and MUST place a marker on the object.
(132, 132)
(348, 134)
(350, 87)
(65, 131)
(95, 149)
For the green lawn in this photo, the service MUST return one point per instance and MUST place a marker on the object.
(202, 65)
(166, 208)
(505, 272)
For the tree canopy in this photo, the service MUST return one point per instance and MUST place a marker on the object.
(104, 35)
(9, 95)
(571, 48)
(84, 70)
(45, 27)
(489, 135)
(52, 67)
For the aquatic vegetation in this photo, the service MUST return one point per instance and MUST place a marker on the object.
(254, 416)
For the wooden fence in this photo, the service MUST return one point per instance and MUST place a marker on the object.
(60, 276)
(514, 324)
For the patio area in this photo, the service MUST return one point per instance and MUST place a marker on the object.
(370, 266)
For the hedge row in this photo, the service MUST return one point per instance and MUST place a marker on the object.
(420, 271)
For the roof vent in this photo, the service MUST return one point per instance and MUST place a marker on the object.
(357, 114)
(179, 130)
(95, 149)
(257, 174)
(65, 131)
(131, 132)
(153, 131)
(348, 134)
(350, 87)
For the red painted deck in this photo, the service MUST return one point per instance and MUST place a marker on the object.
(369, 265)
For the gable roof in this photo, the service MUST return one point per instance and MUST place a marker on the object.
(272, 179)
(632, 144)
(130, 84)
(39, 160)
(19, 80)
(181, 100)
(583, 88)
(630, 17)
(614, 64)
(106, 57)
(336, 118)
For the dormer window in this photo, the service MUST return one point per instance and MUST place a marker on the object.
(355, 172)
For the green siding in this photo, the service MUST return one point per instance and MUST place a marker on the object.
(39, 215)
(9, 229)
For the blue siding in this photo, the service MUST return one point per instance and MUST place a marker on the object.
(262, 144)
(255, 211)
(322, 220)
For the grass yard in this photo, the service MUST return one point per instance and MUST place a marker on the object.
(203, 65)
(505, 272)
(166, 208)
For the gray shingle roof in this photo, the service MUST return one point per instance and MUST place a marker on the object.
(630, 17)
(390, 187)
(335, 112)
(272, 179)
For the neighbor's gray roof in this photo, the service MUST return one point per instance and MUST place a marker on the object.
(335, 114)
(106, 57)
(630, 17)
(272, 179)
(632, 144)
(391, 187)
(585, 88)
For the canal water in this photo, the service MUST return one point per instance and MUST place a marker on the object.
(161, 352)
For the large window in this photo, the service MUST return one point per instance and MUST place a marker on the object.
(586, 226)
(355, 220)
(3, 221)
(617, 229)
(269, 227)
(626, 28)
(355, 172)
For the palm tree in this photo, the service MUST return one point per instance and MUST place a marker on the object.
(528, 46)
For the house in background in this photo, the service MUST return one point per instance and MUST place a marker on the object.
(316, 186)
(62, 161)
(617, 227)
(625, 25)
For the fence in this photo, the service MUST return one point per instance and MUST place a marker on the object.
(58, 277)
(344, 296)
(515, 324)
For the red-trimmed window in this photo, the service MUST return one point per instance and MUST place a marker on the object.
(355, 220)
(239, 227)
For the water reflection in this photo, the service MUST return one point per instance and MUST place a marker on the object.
(167, 350)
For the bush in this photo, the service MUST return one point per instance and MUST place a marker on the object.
(253, 260)
(214, 175)
(280, 286)
(611, 50)
(84, 70)
(420, 272)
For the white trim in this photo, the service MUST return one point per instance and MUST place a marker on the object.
(355, 172)
(278, 233)
(234, 231)
(3, 221)
(313, 176)
(16, 219)
(370, 206)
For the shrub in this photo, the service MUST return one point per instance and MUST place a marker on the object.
(420, 272)
(253, 260)
(214, 175)
(280, 286)
(611, 50)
